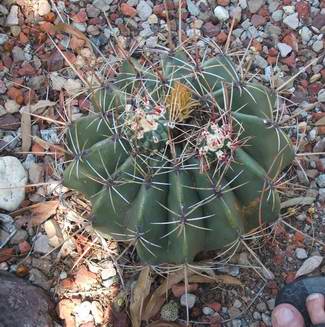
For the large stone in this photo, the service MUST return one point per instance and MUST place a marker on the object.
(22, 304)
(13, 179)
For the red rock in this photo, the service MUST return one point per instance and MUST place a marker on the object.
(128, 10)
(23, 39)
(16, 94)
(273, 52)
(80, 17)
(290, 61)
(179, 289)
(271, 60)
(67, 284)
(216, 306)
(76, 43)
(85, 279)
(7, 61)
(47, 27)
(24, 247)
(286, 2)
(222, 37)
(6, 254)
(303, 9)
(291, 276)
(26, 70)
(38, 150)
(258, 20)
(314, 88)
(223, 2)
(291, 40)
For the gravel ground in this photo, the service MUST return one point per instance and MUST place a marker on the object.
(45, 236)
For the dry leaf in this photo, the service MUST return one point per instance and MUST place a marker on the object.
(301, 201)
(26, 129)
(224, 279)
(39, 212)
(139, 294)
(320, 122)
(157, 299)
(309, 265)
(161, 323)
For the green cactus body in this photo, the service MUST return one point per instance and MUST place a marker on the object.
(180, 157)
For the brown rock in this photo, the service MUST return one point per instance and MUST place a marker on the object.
(128, 10)
(258, 20)
(303, 9)
(210, 29)
(179, 289)
(223, 2)
(222, 37)
(22, 304)
(291, 40)
(85, 279)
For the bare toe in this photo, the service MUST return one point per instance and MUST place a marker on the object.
(285, 315)
(315, 304)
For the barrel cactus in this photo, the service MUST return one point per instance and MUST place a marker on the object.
(181, 155)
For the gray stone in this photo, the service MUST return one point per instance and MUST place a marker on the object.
(20, 235)
(169, 311)
(301, 253)
(277, 15)
(318, 46)
(257, 315)
(221, 13)
(292, 21)
(3, 38)
(266, 319)
(12, 18)
(237, 323)
(18, 54)
(188, 300)
(103, 5)
(237, 304)
(284, 48)
(321, 180)
(144, 10)
(36, 277)
(3, 10)
(41, 244)
(270, 304)
(261, 307)
(13, 179)
(273, 5)
(36, 173)
(243, 4)
(22, 304)
(260, 62)
(321, 194)
(255, 5)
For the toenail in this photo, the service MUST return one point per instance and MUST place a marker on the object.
(284, 316)
(314, 296)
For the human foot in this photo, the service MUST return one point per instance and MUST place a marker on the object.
(285, 314)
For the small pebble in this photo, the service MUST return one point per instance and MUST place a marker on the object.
(301, 253)
(221, 13)
(188, 299)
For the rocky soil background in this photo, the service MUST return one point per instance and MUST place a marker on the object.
(45, 236)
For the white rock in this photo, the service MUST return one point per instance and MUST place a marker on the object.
(12, 106)
(221, 13)
(144, 10)
(306, 34)
(13, 179)
(72, 86)
(57, 81)
(301, 253)
(321, 95)
(277, 15)
(292, 21)
(97, 312)
(289, 9)
(188, 300)
(207, 311)
(82, 312)
(12, 18)
(44, 7)
(41, 244)
(318, 46)
(284, 48)
(3, 38)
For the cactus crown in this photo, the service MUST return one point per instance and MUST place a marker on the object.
(180, 156)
